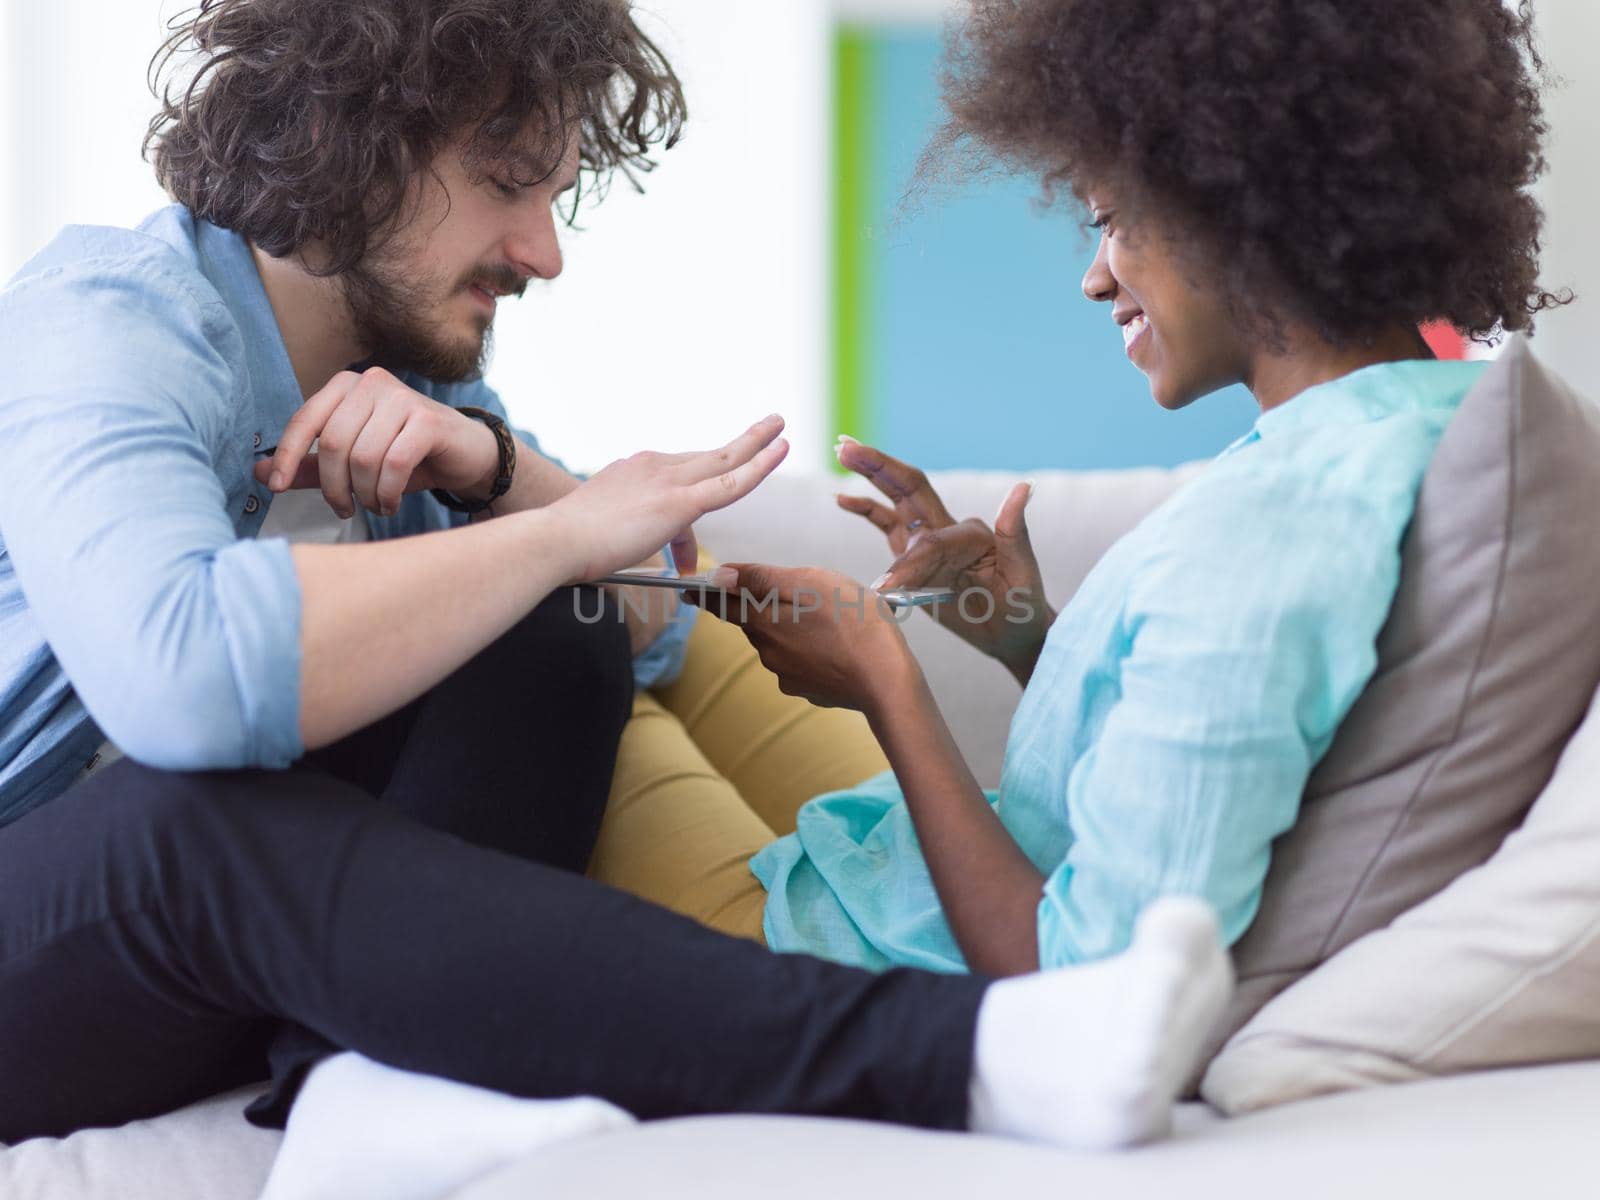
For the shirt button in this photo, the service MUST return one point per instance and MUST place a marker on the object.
(257, 442)
(250, 505)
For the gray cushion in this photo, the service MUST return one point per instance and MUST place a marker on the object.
(1500, 968)
(1485, 668)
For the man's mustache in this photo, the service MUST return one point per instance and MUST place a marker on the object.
(502, 279)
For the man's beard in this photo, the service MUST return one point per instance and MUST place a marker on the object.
(395, 319)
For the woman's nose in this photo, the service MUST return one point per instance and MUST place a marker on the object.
(1099, 284)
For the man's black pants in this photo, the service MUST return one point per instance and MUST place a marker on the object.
(414, 893)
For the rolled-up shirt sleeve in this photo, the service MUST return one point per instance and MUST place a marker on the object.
(117, 387)
(1230, 690)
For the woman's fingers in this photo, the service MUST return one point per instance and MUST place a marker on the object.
(762, 579)
(736, 454)
(1011, 523)
(922, 565)
(902, 483)
(937, 558)
(883, 518)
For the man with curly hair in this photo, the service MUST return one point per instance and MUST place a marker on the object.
(362, 781)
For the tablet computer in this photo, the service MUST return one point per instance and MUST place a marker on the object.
(650, 577)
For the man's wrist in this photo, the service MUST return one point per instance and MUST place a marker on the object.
(484, 485)
(552, 541)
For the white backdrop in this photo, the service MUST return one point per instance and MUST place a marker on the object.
(688, 311)
(1570, 190)
(683, 314)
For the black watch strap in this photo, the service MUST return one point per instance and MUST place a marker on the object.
(508, 464)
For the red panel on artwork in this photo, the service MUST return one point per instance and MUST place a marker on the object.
(1444, 341)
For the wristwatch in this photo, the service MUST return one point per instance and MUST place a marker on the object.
(508, 464)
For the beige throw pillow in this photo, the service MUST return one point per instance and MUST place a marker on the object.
(1500, 968)
(1485, 666)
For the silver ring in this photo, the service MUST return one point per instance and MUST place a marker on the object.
(917, 524)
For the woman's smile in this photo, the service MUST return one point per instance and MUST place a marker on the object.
(1133, 332)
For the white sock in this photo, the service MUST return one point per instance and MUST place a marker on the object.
(360, 1130)
(1092, 1057)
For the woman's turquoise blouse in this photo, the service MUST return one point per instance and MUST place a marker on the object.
(1181, 699)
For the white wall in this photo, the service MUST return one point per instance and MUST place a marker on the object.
(1570, 31)
(700, 306)
(922, 12)
(74, 107)
(683, 314)
(688, 311)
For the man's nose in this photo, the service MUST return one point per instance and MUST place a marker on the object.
(1099, 284)
(535, 248)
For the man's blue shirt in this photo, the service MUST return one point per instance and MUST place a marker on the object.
(142, 375)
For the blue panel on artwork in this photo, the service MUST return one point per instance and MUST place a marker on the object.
(983, 351)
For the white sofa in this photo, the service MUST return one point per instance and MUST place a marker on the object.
(1530, 1129)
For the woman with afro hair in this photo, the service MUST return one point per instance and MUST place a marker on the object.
(1284, 191)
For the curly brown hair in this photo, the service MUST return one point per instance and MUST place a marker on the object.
(305, 121)
(1355, 163)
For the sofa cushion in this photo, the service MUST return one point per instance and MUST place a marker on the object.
(207, 1151)
(1462, 1138)
(1485, 667)
(1500, 968)
(1074, 518)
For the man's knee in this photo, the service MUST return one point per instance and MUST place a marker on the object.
(213, 853)
(576, 638)
(202, 815)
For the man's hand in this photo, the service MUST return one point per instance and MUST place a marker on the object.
(377, 439)
(632, 508)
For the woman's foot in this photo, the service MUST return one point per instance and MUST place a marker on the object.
(1092, 1057)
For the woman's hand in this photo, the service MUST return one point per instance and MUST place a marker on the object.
(1000, 607)
(826, 637)
(831, 641)
(628, 511)
(377, 440)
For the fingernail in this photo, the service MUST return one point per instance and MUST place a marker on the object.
(724, 578)
(845, 438)
(877, 584)
(277, 481)
(1029, 484)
